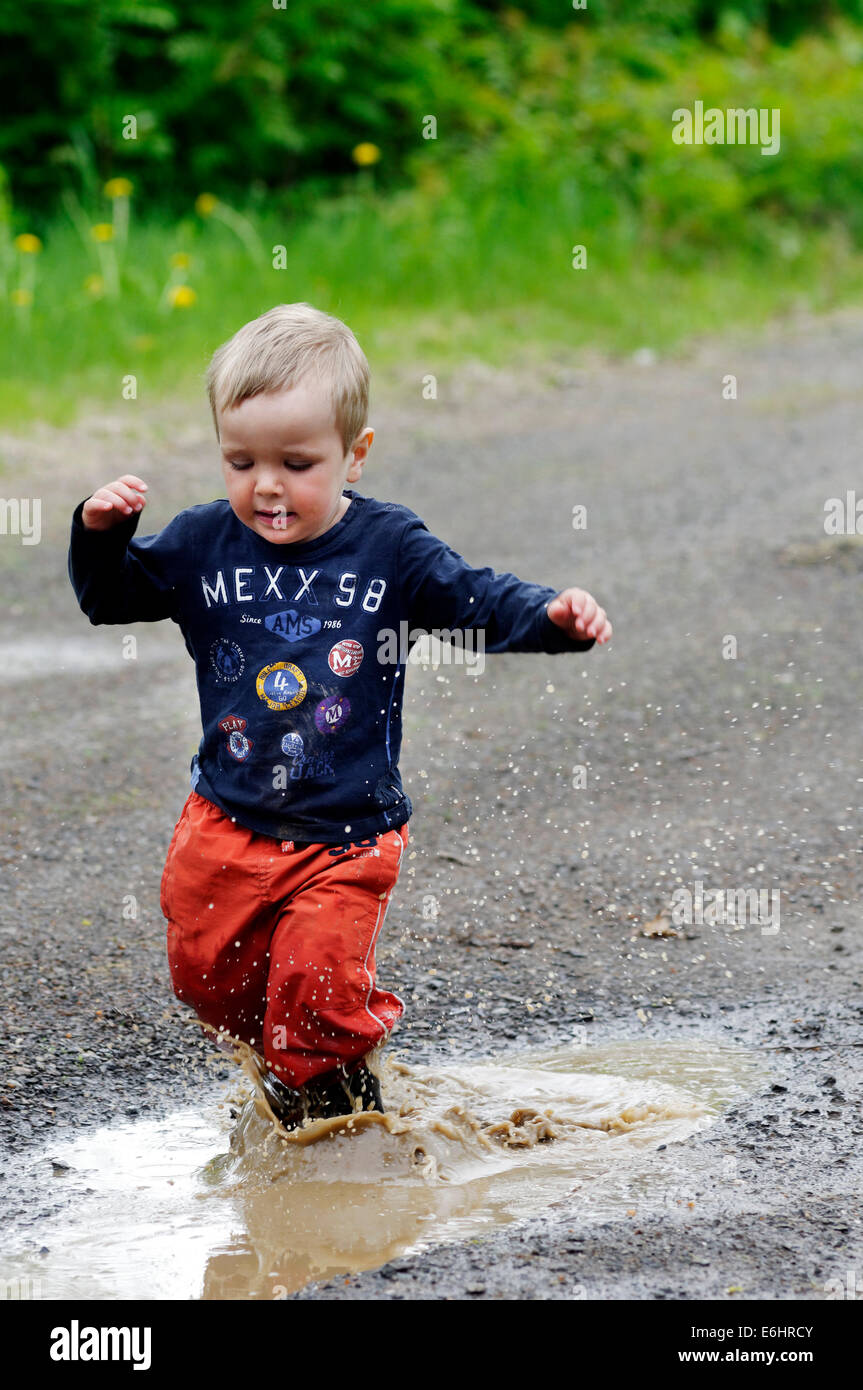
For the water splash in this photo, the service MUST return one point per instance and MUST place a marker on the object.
(198, 1207)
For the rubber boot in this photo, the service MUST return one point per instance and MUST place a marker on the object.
(290, 1107)
(324, 1097)
(337, 1092)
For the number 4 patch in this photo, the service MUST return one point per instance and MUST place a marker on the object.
(282, 685)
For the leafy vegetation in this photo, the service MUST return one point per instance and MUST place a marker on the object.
(422, 168)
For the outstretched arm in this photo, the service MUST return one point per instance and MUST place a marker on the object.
(117, 579)
(441, 591)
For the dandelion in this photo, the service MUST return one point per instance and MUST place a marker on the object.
(22, 298)
(29, 247)
(118, 188)
(29, 244)
(365, 154)
(208, 205)
(182, 296)
(95, 285)
(103, 234)
(176, 292)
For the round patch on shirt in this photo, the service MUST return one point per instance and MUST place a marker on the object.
(345, 657)
(227, 660)
(282, 685)
(331, 713)
(238, 745)
(292, 745)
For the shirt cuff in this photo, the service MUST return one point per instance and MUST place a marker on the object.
(554, 639)
(122, 532)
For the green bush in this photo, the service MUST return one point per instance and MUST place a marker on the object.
(549, 135)
(248, 100)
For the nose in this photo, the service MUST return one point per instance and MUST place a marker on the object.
(270, 483)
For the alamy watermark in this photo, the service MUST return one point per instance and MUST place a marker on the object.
(458, 647)
(839, 1288)
(721, 907)
(21, 1287)
(736, 126)
(844, 516)
(21, 516)
(77, 1343)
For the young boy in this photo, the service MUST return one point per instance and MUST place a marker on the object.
(283, 861)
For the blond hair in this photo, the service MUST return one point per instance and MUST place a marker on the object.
(283, 347)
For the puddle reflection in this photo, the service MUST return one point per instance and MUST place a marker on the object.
(200, 1206)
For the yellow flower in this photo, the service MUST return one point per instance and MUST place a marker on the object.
(28, 243)
(118, 188)
(23, 297)
(95, 285)
(366, 153)
(182, 296)
(103, 231)
(181, 260)
(205, 203)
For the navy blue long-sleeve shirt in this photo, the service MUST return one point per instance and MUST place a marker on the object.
(300, 691)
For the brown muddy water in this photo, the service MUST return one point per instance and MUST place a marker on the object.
(214, 1205)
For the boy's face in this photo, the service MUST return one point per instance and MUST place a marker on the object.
(284, 463)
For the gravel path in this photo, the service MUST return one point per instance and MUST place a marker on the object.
(704, 522)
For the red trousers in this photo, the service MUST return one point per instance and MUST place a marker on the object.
(275, 942)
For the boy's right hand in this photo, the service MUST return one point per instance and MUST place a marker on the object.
(114, 502)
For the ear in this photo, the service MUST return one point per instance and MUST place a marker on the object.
(359, 450)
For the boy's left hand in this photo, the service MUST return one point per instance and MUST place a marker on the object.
(579, 614)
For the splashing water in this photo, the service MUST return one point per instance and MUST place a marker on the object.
(153, 1213)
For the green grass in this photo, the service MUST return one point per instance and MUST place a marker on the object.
(424, 288)
(474, 260)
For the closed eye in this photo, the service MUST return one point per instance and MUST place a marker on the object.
(292, 467)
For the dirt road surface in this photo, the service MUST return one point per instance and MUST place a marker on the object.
(734, 763)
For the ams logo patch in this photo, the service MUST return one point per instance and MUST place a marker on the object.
(292, 625)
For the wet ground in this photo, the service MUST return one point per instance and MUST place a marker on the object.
(216, 1201)
(534, 910)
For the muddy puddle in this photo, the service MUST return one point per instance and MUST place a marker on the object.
(213, 1203)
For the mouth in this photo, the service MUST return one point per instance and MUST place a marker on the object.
(276, 518)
